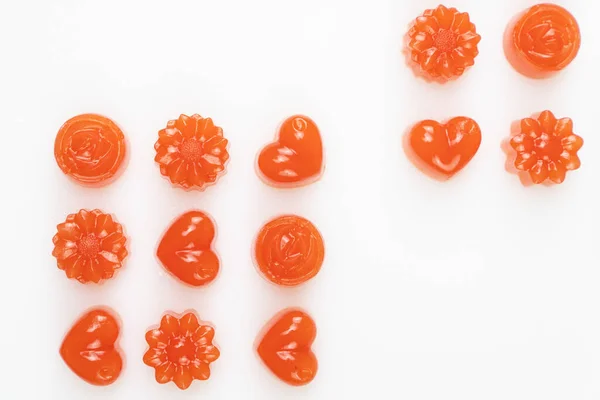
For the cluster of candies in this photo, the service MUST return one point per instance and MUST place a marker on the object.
(191, 152)
(442, 44)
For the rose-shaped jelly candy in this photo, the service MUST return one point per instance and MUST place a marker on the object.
(90, 149)
(289, 250)
(543, 40)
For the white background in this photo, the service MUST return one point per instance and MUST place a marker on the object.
(477, 288)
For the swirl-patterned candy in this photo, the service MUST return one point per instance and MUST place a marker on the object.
(89, 148)
(545, 39)
(289, 250)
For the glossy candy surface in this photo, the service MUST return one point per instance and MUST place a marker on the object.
(544, 39)
(295, 158)
(289, 250)
(191, 152)
(185, 249)
(90, 148)
(442, 43)
(89, 246)
(442, 150)
(90, 350)
(546, 148)
(285, 348)
(181, 349)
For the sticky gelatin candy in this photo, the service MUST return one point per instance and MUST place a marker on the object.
(546, 148)
(543, 40)
(90, 149)
(295, 158)
(185, 249)
(191, 152)
(285, 347)
(181, 349)
(90, 348)
(441, 150)
(442, 44)
(89, 246)
(289, 250)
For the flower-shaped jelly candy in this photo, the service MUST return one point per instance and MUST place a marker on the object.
(191, 152)
(546, 148)
(442, 43)
(89, 246)
(181, 349)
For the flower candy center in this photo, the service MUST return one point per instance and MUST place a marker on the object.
(445, 40)
(89, 245)
(547, 147)
(191, 150)
(181, 350)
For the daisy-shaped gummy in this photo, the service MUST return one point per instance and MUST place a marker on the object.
(191, 152)
(181, 349)
(442, 43)
(546, 148)
(89, 246)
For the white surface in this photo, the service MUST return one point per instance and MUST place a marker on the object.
(477, 288)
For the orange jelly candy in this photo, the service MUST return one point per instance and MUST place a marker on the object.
(441, 150)
(89, 246)
(191, 152)
(90, 148)
(90, 349)
(543, 40)
(289, 250)
(546, 148)
(295, 158)
(285, 347)
(442, 43)
(181, 349)
(185, 250)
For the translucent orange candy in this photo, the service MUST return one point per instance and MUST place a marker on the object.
(295, 158)
(181, 349)
(543, 40)
(546, 148)
(442, 43)
(191, 152)
(442, 150)
(89, 246)
(285, 347)
(185, 249)
(90, 149)
(90, 347)
(289, 250)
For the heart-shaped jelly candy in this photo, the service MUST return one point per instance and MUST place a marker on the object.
(445, 149)
(295, 158)
(89, 348)
(285, 348)
(186, 252)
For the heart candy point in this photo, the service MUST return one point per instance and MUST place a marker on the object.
(89, 349)
(285, 347)
(185, 249)
(295, 158)
(442, 150)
